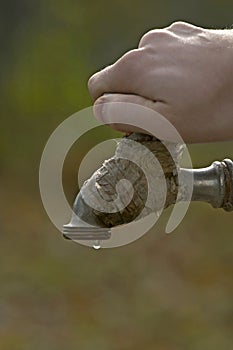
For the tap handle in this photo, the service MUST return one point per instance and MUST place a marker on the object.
(213, 184)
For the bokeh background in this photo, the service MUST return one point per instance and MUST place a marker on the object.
(163, 292)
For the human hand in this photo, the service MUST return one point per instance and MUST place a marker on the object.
(183, 72)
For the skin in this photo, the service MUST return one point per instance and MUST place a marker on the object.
(183, 72)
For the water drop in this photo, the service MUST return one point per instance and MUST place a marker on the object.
(96, 245)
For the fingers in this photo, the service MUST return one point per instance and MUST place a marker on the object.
(133, 113)
(124, 76)
(136, 72)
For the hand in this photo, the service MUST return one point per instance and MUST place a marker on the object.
(183, 72)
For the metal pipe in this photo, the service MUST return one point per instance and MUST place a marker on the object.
(213, 184)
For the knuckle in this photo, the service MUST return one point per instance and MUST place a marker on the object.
(155, 35)
(129, 67)
(147, 38)
(132, 55)
(181, 26)
(129, 59)
(178, 24)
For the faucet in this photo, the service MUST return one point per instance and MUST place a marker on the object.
(212, 184)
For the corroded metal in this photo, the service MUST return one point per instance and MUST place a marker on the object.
(213, 184)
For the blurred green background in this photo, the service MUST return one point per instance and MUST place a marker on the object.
(163, 292)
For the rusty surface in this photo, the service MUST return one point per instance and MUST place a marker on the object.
(228, 172)
(115, 169)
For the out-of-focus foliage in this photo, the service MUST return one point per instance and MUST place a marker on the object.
(162, 292)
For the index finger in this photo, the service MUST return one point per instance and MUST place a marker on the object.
(122, 77)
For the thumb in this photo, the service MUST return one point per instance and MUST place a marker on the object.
(134, 113)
